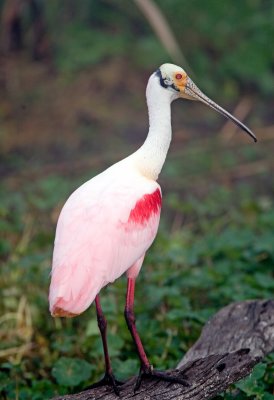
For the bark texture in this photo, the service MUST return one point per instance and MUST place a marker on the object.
(232, 342)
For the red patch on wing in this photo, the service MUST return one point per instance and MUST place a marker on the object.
(148, 205)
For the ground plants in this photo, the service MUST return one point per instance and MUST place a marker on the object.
(210, 251)
(67, 116)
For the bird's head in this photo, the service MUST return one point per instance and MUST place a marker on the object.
(175, 79)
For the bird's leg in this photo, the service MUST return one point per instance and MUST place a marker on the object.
(109, 378)
(102, 324)
(130, 320)
(146, 368)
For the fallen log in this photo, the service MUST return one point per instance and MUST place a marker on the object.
(232, 342)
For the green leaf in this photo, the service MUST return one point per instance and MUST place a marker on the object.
(71, 371)
(115, 343)
(250, 385)
(126, 368)
(268, 396)
(92, 328)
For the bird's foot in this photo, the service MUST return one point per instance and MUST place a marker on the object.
(107, 380)
(148, 371)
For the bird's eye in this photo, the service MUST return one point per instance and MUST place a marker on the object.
(178, 76)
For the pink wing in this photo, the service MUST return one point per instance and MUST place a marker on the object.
(104, 229)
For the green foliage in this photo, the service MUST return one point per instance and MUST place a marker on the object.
(71, 371)
(233, 37)
(81, 47)
(215, 243)
(228, 41)
(252, 385)
(222, 253)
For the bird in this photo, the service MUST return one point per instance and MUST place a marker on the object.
(107, 225)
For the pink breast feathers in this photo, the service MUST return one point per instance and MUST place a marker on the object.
(146, 207)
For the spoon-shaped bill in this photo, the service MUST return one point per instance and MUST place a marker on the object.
(191, 90)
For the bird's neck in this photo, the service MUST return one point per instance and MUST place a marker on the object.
(151, 156)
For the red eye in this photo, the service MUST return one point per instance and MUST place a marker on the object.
(178, 76)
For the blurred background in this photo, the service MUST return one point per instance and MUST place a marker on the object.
(72, 102)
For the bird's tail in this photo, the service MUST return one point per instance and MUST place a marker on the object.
(71, 292)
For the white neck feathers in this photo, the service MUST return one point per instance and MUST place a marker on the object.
(150, 157)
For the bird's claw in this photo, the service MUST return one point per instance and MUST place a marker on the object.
(108, 380)
(144, 371)
(162, 375)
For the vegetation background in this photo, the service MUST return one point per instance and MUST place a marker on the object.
(72, 84)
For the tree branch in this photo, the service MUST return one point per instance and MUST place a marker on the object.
(232, 342)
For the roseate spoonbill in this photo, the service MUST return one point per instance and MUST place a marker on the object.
(107, 225)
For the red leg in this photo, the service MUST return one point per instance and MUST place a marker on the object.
(146, 368)
(130, 319)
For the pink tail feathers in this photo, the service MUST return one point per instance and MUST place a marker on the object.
(71, 292)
